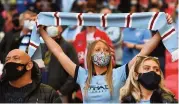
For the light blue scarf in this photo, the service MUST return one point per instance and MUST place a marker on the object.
(145, 20)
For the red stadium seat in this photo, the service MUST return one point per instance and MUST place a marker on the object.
(171, 74)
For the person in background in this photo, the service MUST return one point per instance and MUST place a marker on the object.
(132, 46)
(22, 27)
(116, 37)
(20, 81)
(11, 39)
(2, 22)
(69, 34)
(27, 22)
(58, 78)
(7, 17)
(145, 83)
(86, 37)
(113, 5)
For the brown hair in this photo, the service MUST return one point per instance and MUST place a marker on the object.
(90, 67)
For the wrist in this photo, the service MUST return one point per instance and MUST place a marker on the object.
(134, 46)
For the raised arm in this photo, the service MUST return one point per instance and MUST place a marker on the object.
(65, 61)
(150, 45)
(148, 48)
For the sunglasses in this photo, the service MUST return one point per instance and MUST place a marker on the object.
(156, 58)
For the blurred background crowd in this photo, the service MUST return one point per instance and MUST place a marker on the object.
(125, 47)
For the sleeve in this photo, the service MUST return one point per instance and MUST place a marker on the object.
(122, 72)
(69, 84)
(80, 75)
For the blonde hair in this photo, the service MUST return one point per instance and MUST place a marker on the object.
(90, 67)
(132, 86)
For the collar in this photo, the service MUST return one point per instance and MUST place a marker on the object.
(94, 73)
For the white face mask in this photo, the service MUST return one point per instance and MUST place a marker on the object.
(29, 24)
(52, 31)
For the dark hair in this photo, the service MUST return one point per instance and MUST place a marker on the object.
(1, 7)
(151, 6)
(90, 10)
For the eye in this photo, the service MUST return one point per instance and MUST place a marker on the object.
(157, 69)
(97, 50)
(106, 50)
(16, 58)
(7, 59)
(146, 68)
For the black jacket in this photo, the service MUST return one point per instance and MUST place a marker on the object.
(158, 96)
(38, 93)
(10, 41)
(58, 78)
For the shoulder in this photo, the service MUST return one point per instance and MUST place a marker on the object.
(47, 90)
(167, 97)
(45, 87)
(49, 94)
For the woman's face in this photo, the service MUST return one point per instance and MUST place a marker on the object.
(149, 65)
(101, 47)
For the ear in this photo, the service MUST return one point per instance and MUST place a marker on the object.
(60, 29)
(29, 66)
(136, 75)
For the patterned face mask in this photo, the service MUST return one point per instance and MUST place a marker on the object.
(100, 59)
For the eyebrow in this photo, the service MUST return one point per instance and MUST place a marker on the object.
(150, 66)
(156, 67)
(146, 65)
(13, 56)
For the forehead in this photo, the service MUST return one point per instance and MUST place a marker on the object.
(100, 45)
(154, 10)
(12, 54)
(150, 63)
(105, 10)
(27, 16)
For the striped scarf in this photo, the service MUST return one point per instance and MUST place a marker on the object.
(148, 20)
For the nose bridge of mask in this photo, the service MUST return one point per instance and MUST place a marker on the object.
(150, 73)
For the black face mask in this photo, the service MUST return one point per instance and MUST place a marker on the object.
(11, 71)
(149, 80)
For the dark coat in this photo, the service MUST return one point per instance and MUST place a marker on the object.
(158, 96)
(58, 78)
(38, 93)
(10, 41)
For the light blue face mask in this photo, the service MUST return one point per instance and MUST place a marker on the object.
(100, 59)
